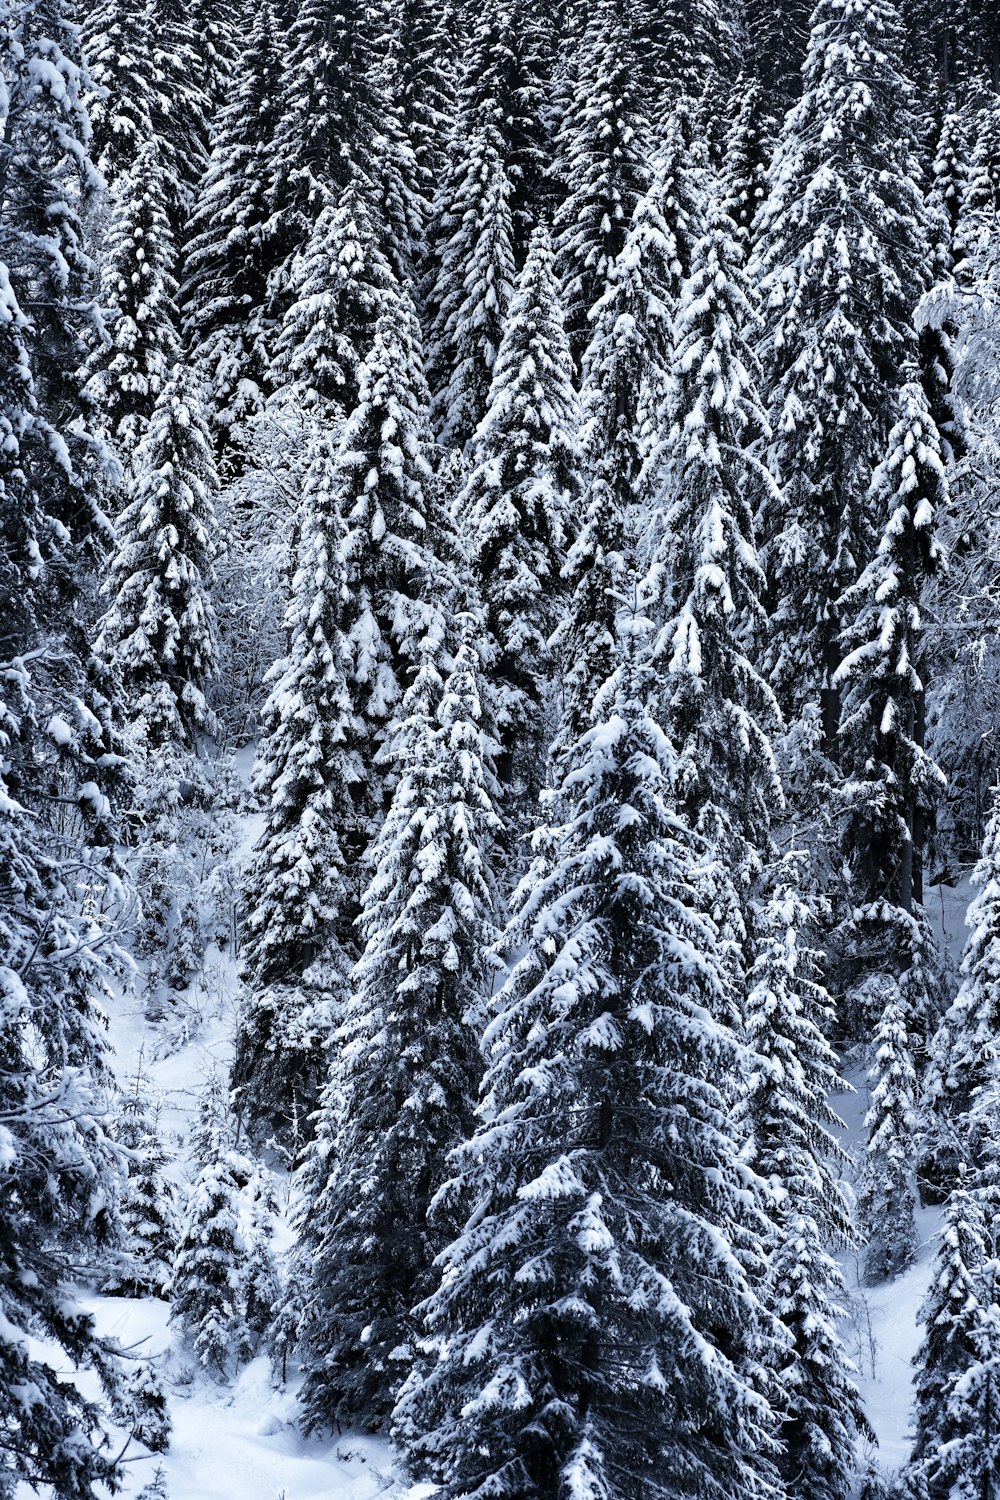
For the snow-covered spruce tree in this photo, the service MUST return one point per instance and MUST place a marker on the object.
(514, 514)
(706, 486)
(423, 48)
(230, 250)
(181, 104)
(59, 1180)
(300, 887)
(49, 187)
(208, 1267)
(952, 1315)
(890, 782)
(683, 49)
(400, 546)
(159, 632)
(886, 1198)
(118, 52)
(473, 290)
(795, 1151)
(594, 1331)
(148, 1202)
(625, 373)
(260, 1289)
(602, 160)
(748, 150)
(407, 1061)
(842, 257)
(340, 283)
(966, 1046)
(129, 372)
(329, 119)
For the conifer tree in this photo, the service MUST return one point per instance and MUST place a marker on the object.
(309, 776)
(891, 782)
(137, 298)
(473, 291)
(340, 283)
(230, 250)
(748, 149)
(514, 512)
(181, 104)
(952, 1315)
(406, 1066)
(718, 709)
(118, 52)
(603, 148)
(886, 1197)
(148, 1206)
(159, 631)
(423, 46)
(400, 547)
(594, 1332)
(965, 1046)
(795, 1151)
(205, 1290)
(842, 258)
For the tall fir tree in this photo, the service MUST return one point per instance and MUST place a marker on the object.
(159, 631)
(594, 1331)
(407, 1062)
(514, 510)
(842, 258)
(886, 1198)
(602, 160)
(309, 776)
(118, 51)
(137, 298)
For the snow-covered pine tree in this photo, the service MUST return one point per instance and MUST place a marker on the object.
(748, 149)
(159, 632)
(966, 1046)
(181, 104)
(230, 250)
(890, 781)
(514, 511)
(707, 485)
(795, 1151)
(625, 375)
(400, 545)
(300, 887)
(602, 160)
(59, 1181)
(260, 1288)
(594, 1332)
(129, 372)
(842, 258)
(952, 1314)
(423, 48)
(340, 283)
(473, 288)
(148, 1202)
(118, 52)
(407, 1060)
(329, 119)
(886, 1198)
(49, 187)
(208, 1266)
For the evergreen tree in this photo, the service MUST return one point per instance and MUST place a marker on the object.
(230, 251)
(603, 150)
(842, 259)
(891, 782)
(159, 631)
(341, 282)
(473, 291)
(594, 1331)
(424, 50)
(718, 709)
(137, 299)
(148, 1206)
(748, 151)
(406, 1066)
(514, 511)
(118, 51)
(260, 1289)
(965, 1046)
(796, 1152)
(181, 104)
(208, 1267)
(886, 1198)
(299, 887)
(952, 1314)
